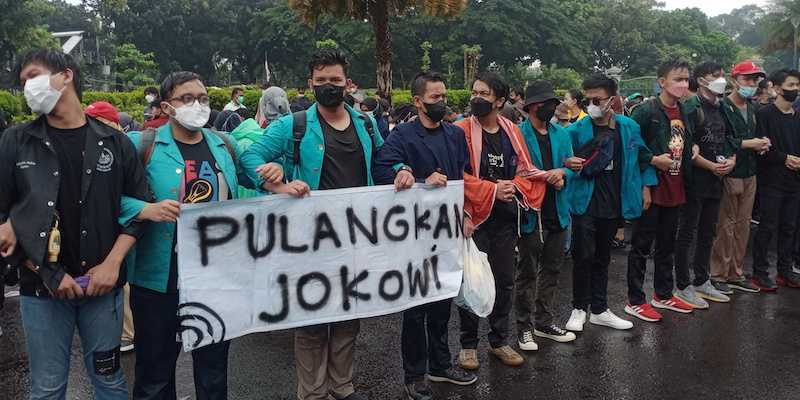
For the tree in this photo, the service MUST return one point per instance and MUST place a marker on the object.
(132, 68)
(426, 47)
(782, 32)
(377, 13)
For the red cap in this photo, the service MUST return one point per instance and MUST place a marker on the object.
(103, 109)
(747, 68)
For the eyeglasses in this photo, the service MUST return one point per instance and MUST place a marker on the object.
(597, 101)
(190, 99)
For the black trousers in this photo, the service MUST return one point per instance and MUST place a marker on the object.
(778, 211)
(658, 224)
(497, 239)
(424, 340)
(591, 254)
(156, 323)
(537, 278)
(699, 218)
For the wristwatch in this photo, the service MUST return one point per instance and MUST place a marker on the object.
(405, 168)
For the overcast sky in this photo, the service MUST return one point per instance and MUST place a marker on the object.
(712, 7)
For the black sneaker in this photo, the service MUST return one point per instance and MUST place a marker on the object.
(553, 332)
(418, 390)
(456, 376)
(722, 287)
(744, 285)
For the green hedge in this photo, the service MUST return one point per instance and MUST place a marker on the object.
(133, 102)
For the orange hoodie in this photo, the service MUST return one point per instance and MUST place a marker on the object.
(479, 194)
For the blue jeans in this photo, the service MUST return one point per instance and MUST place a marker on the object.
(49, 326)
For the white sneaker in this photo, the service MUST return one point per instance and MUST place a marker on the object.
(576, 320)
(709, 292)
(526, 342)
(610, 320)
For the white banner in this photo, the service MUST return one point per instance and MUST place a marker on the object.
(275, 262)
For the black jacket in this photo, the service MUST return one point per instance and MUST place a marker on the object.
(29, 182)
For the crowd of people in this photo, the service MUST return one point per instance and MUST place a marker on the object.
(89, 201)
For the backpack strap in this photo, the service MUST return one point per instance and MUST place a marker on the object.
(298, 131)
(228, 145)
(370, 131)
(146, 145)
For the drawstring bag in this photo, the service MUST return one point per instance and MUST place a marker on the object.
(477, 289)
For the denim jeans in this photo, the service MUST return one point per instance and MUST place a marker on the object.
(49, 326)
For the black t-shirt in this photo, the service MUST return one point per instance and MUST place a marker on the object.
(784, 132)
(498, 161)
(606, 200)
(69, 145)
(202, 182)
(549, 212)
(711, 140)
(344, 165)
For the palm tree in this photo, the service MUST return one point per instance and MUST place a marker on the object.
(377, 13)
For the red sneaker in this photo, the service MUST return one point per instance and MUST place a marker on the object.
(788, 281)
(645, 312)
(672, 304)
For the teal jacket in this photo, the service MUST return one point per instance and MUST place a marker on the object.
(561, 147)
(634, 175)
(148, 263)
(277, 145)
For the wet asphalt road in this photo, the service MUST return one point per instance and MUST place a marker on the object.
(747, 349)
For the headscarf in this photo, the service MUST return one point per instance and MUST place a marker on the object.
(274, 103)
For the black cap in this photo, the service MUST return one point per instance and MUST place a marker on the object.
(539, 92)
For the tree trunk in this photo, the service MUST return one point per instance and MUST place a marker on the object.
(379, 16)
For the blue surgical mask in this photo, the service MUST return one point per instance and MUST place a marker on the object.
(747, 91)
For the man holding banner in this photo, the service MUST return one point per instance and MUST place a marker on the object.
(185, 164)
(328, 146)
(430, 151)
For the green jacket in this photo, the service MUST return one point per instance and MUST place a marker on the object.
(561, 149)
(247, 133)
(655, 129)
(746, 162)
(277, 145)
(149, 262)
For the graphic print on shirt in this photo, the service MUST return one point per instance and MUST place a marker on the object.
(203, 183)
(676, 141)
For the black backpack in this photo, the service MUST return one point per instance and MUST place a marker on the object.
(299, 131)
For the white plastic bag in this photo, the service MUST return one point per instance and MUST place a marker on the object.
(477, 289)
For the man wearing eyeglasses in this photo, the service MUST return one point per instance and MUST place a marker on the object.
(185, 164)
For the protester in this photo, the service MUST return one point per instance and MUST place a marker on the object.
(704, 187)
(237, 100)
(667, 130)
(127, 123)
(512, 110)
(335, 152)
(372, 107)
(561, 117)
(739, 187)
(104, 112)
(610, 185)
(300, 102)
(574, 101)
(226, 121)
(154, 118)
(778, 183)
(499, 180)
(151, 95)
(632, 101)
(64, 207)
(430, 151)
(541, 246)
(203, 159)
(274, 103)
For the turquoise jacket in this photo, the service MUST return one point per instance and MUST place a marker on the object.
(149, 261)
(634, 175)
(277, 145)
(561, 146)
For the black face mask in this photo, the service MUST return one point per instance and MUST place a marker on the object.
(329, 95)
(546, 111)
(480, 107)
(435, 111)
(790, 95)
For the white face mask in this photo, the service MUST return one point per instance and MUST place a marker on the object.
(193, 116)
(40, 96)
(150, 98)
(717, 85)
